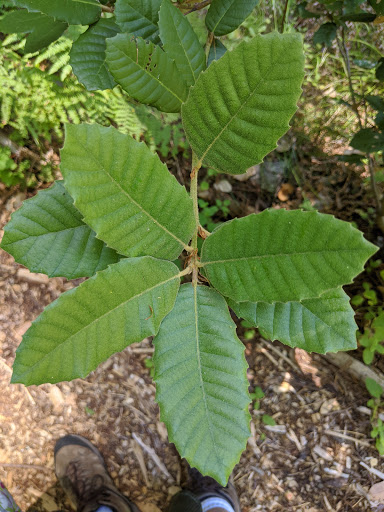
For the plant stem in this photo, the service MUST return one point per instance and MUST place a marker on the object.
(193, 192)
(376, 193)
(105, 8)
(196, 164)
(208, 45)
(284, 16)
(196, 7)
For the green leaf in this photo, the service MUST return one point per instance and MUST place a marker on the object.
(74, 12)
(139, 17)
(47, 235)
(181, 43)
(145, 72)
(241, 105)
(42, 29)
(376, 102)
(283, 256)
(326, 34)
(201, 382)
(368, 356)
(125, 193)
(216, 51)
(368, 140)
(304, 13)
(118, 306)
(380, 70)
(373, 387)
(379, 120)
(88, 56)
(224, 16)
(268, 420)
(364, 17)
(324, 324)
(378, 6)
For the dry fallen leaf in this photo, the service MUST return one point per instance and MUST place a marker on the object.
(285, 191)
(376, 492)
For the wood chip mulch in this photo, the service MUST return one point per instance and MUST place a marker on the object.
(318, 456)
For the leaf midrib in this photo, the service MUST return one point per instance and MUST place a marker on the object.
(332, 328)
(279, 255)
(133, 201)
(200, 371)
(182, 46)
(124, 303)
(141, 14)
(156, 50)
(220, 19)
(262, 80)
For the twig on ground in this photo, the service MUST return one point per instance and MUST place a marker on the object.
(279, 353)
(140, 458)
(347, 438)
(151, 452)
(17, 150)
(354, 367)
(374, 471)
(24, 466)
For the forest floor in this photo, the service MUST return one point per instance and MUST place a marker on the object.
(318, 457)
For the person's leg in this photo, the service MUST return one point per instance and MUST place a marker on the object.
(82, 473)
(204, 494)
(7, 503)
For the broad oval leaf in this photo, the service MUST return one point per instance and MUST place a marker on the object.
(362, 16)
(88, 56)
(368, 140)
(324, 324)
(380, 70)
(139, 17)
(224, 16)
(283, 256)
(118, 306)
(378, 6)
(145, 72)
(47, 235)
(201, 382)
(74, 12)
(42, 29)
(125, 193)
(241, 105)
(326, 34)
(181, 42)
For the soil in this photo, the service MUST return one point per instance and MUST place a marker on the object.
(318, 457)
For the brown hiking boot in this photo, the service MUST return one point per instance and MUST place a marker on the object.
(198, 489)
(81, 471)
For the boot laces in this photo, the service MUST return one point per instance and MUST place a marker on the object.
(85, 487)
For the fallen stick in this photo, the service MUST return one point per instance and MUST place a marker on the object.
(355, 368)
(347, 438)
(151, 452)
(24, 466)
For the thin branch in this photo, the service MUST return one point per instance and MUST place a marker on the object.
(17, 150)
(25, 466)
(105, 8)
(284, 16)
(151, 452)
(375, 190)
(196, 7)
(208, 45)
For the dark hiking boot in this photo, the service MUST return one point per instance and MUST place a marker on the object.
(81, 471)
(198, 489)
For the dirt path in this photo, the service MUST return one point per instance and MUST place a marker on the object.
(309, 462)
